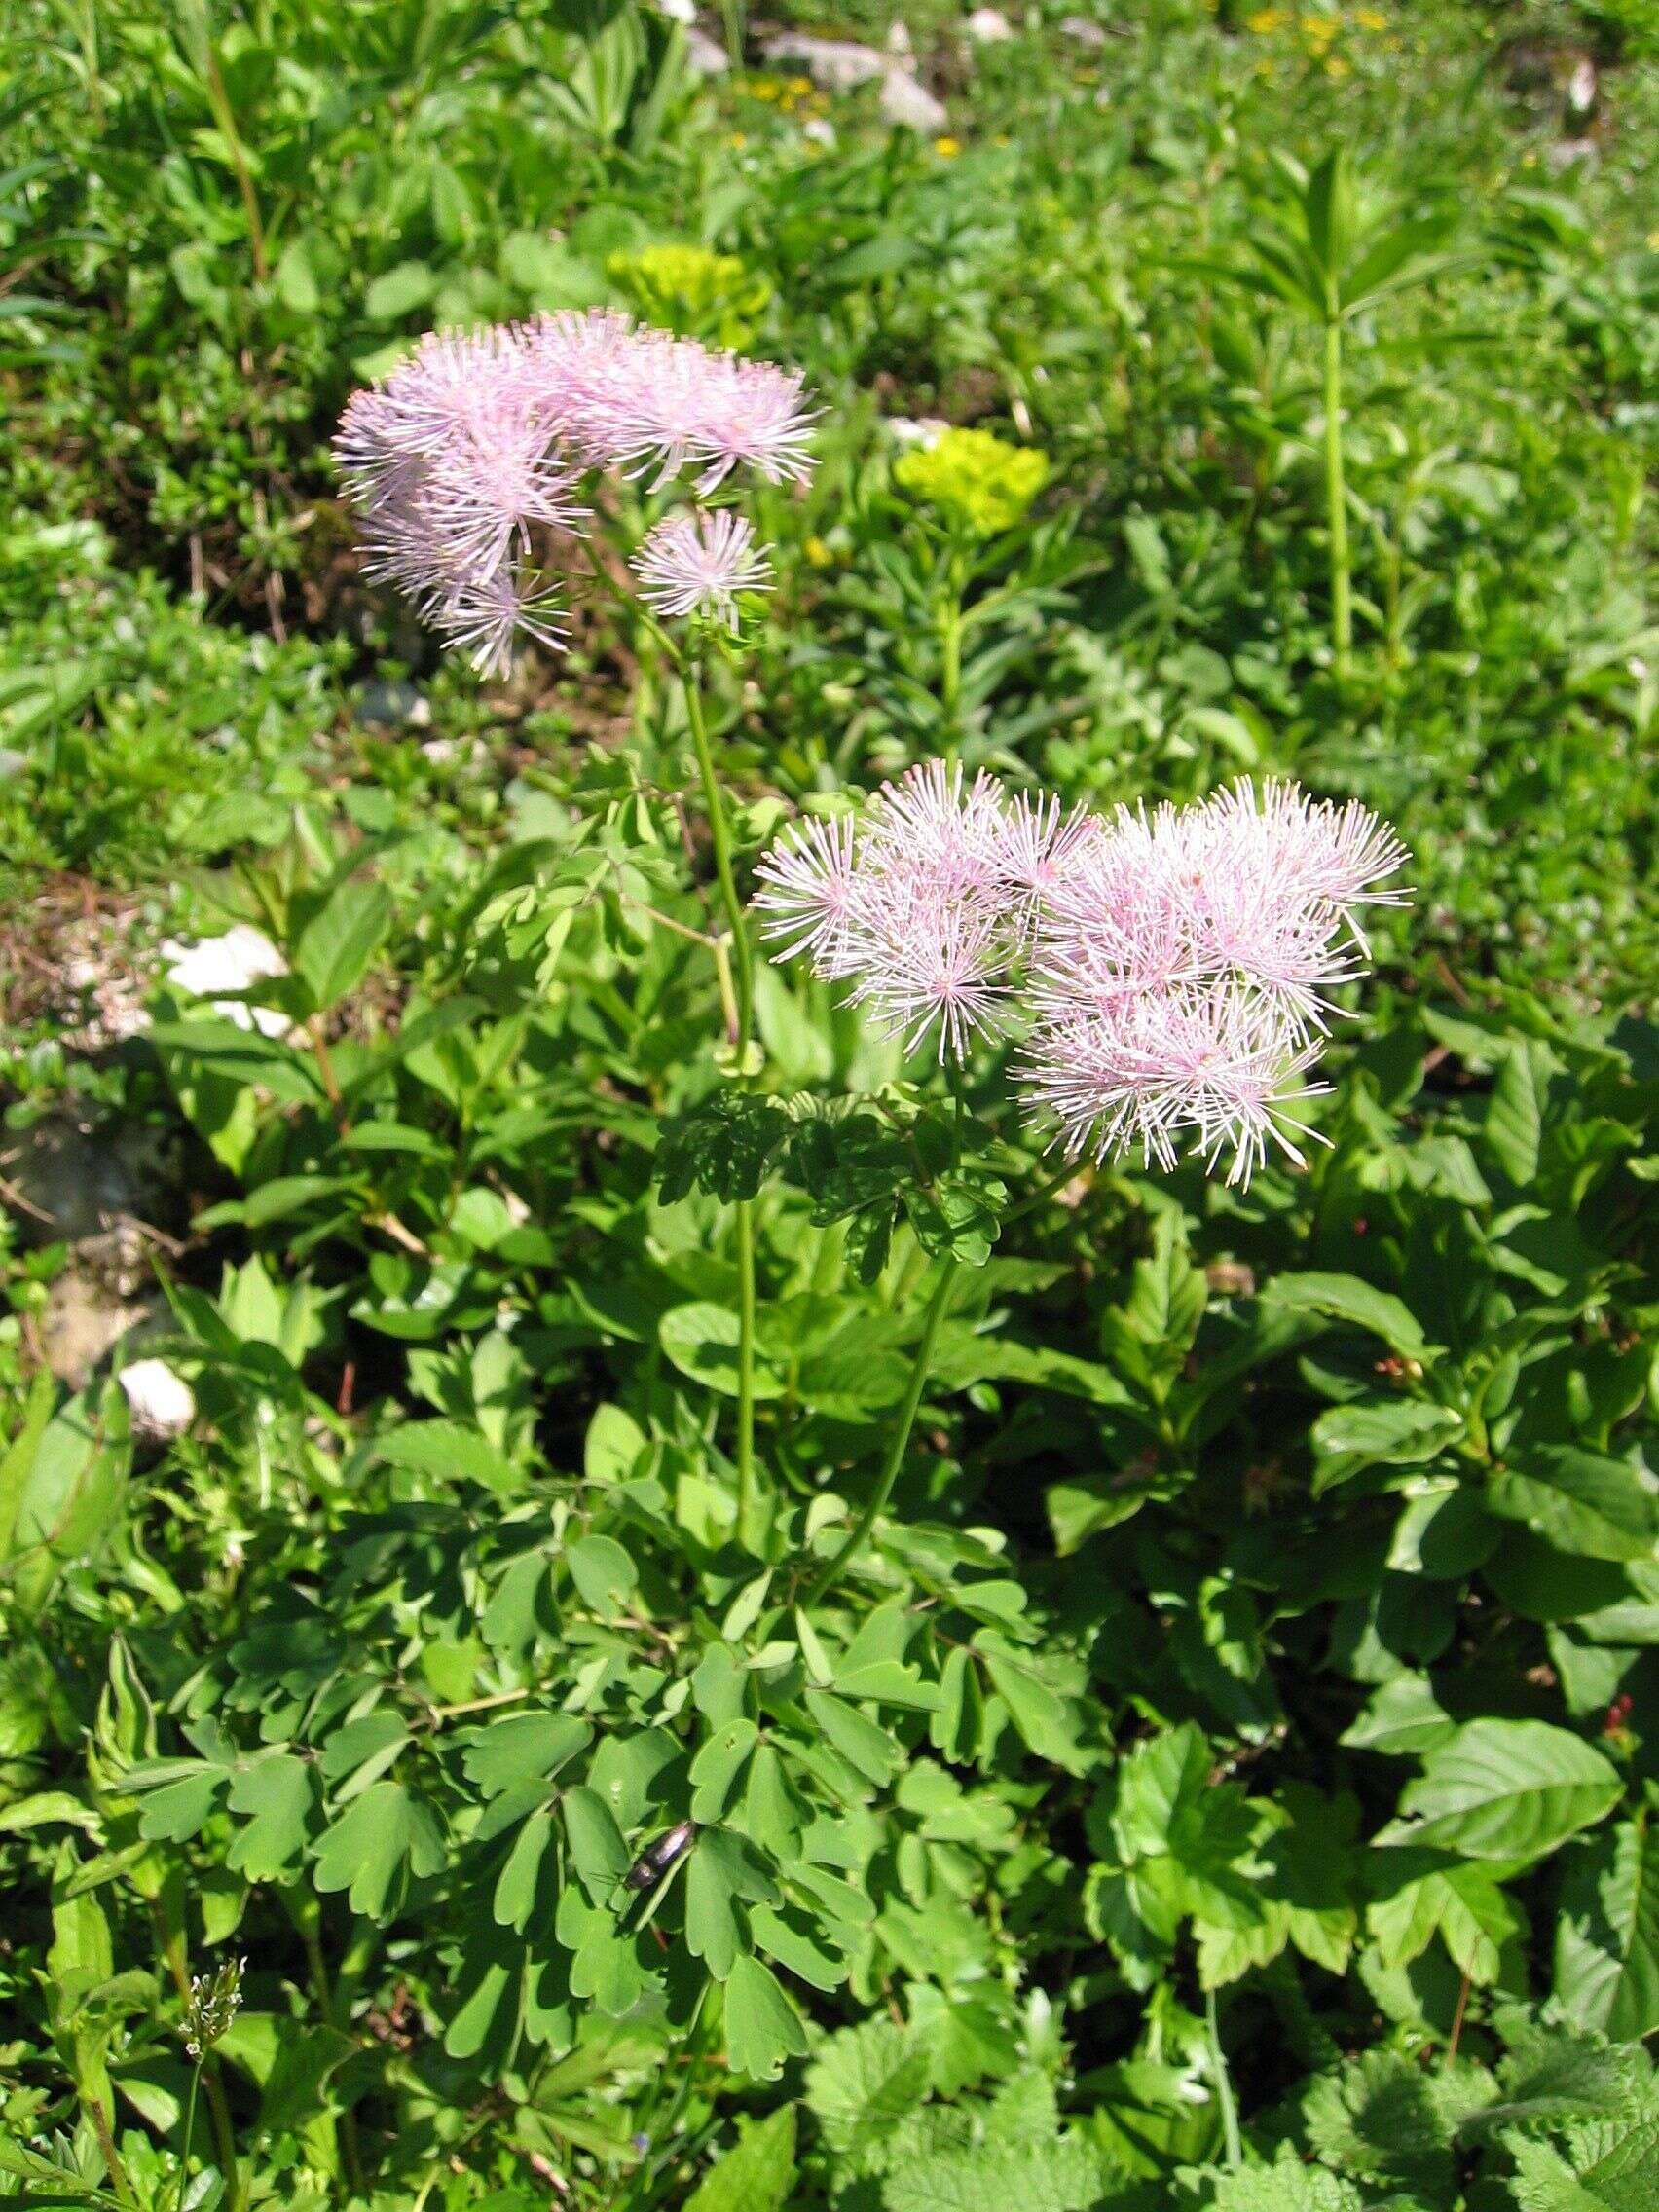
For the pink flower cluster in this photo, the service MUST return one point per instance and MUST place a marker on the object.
(481, 439)
(1172, 969)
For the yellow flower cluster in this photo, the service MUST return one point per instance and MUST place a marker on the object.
(692, 290)
(790, 95)
(1319, 32)
(973, 479)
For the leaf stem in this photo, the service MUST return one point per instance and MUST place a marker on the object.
(828, 1575)
(1223, 2084)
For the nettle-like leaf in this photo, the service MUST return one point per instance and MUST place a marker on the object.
(1286, 2186)
(757, 2174)
(1606, 1960)
(1379, 2120)
(861, 2085)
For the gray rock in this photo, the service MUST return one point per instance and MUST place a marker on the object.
(398, 705)
(77, 1187)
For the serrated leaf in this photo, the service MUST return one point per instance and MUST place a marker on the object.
(757, 2174)
(1606, 1960)
(1378, 2120)
(861, 2083)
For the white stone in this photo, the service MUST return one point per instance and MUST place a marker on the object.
(242, 957)
(988, 26)
(908, 430)
(837, 65)
(163, 1403)
(908, 103)
(705, 56)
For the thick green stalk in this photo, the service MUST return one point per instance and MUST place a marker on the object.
(742, 975)
(1335, 499)
(905, 1421)
(1223, 2084)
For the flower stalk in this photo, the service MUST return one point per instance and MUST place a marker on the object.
(897, 1444)
(743, 978)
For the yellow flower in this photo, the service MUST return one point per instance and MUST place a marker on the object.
(1335, 65)
(1371, 19)
(1264, 22)
(737, 141)
(975, 478)
(819, 554)
(947, 148)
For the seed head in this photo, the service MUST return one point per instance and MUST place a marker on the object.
(213, 2002)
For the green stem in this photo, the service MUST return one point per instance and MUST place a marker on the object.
(224, 115)
(1336, 499)
(93, 2107)
(743, 963)
(337, 2017)
(189, 2130)
(224, 2134)
(743, 976)
(827, 1577)
(1043, 1192)
(950, 654)
(1223, 2084)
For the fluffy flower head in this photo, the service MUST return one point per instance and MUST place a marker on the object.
(467, 464)
(697, 563)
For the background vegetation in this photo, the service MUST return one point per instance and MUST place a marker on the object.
(1231, 1785)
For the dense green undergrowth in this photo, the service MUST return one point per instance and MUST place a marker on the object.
(1226, 1783)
